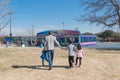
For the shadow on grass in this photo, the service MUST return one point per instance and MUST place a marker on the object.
(39, 67)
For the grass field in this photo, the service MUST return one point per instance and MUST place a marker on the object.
(25, 64)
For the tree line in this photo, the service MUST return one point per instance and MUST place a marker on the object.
(109, 35)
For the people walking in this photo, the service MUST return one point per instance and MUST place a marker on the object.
(49, 45)
(79, 54)
(71, 50)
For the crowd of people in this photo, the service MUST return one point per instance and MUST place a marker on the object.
(21, 43)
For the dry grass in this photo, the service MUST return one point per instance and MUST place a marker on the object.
(25, 64)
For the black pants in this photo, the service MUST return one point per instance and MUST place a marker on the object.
(80, 59)
(71, 60)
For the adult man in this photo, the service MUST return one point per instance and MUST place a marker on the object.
(49, 45)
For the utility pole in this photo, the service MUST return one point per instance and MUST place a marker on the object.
(32, 29)
(10, 27)
(0, 30)
(63, 25)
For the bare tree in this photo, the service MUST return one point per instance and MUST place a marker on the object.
(5, 10)
(105, 12)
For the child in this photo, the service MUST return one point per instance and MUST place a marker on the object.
(71, 48)
(79, 54)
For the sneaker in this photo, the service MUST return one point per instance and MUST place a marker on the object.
(73, 65)
(50, 68)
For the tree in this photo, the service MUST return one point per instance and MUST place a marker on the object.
(106, 34)
(5, 10)
(116, 35)
(105, 12)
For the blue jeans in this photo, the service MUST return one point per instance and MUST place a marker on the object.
(50, 57)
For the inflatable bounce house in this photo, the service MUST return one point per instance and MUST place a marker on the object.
(63, 36)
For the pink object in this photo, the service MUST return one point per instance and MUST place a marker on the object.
(80, 53)
(88, 43)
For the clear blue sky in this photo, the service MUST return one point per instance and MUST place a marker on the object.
(47, 15)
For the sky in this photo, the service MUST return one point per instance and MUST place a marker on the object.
(41, 15)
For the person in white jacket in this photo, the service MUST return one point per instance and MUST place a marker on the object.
(49, 45)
